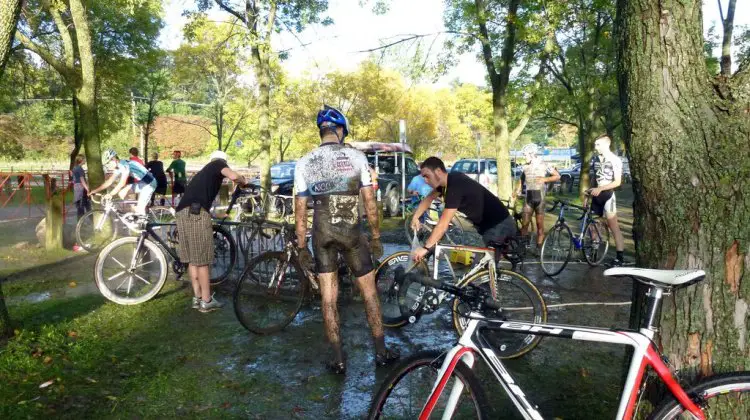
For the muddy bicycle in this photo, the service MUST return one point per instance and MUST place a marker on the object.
(275, 285)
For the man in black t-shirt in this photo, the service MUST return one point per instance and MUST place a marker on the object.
(461, 193)
(196, 243)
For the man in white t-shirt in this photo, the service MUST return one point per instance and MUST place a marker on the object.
(607, 170)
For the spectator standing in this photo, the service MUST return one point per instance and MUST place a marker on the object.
(156, 167)
(134, 156)
(176, 171)
(80, 192)
(196, 245)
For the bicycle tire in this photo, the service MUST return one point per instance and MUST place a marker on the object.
(389, 291)
(719, 390)
(252, 299)
(507, 345)
(122, 248)
(225, 255)
(411, 369)
(597, 255)
(86, 230)
(556, 240)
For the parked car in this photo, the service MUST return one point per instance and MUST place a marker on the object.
(388, 158)
(570, 177)
(282, 178)
(487, 169)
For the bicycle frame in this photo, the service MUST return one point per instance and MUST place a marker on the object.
(472, 343)
(487, 261)
(577, 238)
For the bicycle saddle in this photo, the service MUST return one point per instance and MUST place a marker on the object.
(663, 277)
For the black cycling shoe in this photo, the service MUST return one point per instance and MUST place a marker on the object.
(616, 263)
(387, 357)
(336, 367)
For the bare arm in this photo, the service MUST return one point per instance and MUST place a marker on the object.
(300, 220)
(105, 185)
(442, 226)
(234, 176)
(554, 177)
(371, 208)
(121, 183)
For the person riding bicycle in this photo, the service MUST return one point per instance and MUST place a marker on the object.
(606, 168)
(332, 176)
(461, 193)
(144, 185)
(536, 173)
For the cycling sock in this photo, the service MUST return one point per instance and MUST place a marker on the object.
(620, 255)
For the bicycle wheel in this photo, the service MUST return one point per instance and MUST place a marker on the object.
(406, 390)
(725, 396)
(389, 291)
(95, 229)
(269, 293)
(127, 275)
(162, 214)
(519, 299)
(594, 243)
(556, 249)
(225, 255)
(455, 233)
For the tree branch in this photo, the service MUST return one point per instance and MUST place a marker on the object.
(64, 31)
(191, 123)
(48, 57)
(223, 6)
(509, 44)
(484, 39)
(726, 43)
(560, 120)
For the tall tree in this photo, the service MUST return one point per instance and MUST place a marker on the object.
(9, 11)
(583, 66)
(687, 132)
(75, 65)
(261, 19)
(507, 26)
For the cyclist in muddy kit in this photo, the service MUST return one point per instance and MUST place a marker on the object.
(332, 177)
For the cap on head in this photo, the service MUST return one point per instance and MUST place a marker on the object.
(218, 154)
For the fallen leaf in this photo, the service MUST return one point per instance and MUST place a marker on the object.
(112, 397)
(93, 381)
(47, 360)
(226, 405)
(72, 334)
(584, 373)
(46, 384)
(72, 284)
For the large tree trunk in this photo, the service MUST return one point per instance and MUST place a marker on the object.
(86, 94)
(502, 145)
(692, 195)
(77, 136)
(264, 99)
(9, 11)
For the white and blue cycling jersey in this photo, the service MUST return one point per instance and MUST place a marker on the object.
(137, 171)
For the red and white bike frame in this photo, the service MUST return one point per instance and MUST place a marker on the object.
(472, 344)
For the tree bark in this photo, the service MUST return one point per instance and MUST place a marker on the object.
(86, 93)
(9, 11)
(77, 137)
(686, 140)
(6, 327)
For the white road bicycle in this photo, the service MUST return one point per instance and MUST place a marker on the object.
(435, 384)
(101, 226)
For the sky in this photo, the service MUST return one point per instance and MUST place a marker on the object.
(356, 28)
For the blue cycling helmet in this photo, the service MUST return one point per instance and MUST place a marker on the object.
(333, 115)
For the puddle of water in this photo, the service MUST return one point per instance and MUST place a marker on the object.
(81, 289)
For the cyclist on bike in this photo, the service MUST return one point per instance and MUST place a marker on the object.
(606, 168)
(144, 185)
(536, 173)
(461, 193)
(332, 176)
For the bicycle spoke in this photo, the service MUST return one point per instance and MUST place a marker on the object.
(116, 275)
(142, 279)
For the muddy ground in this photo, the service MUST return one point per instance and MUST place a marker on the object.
(77, 355)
